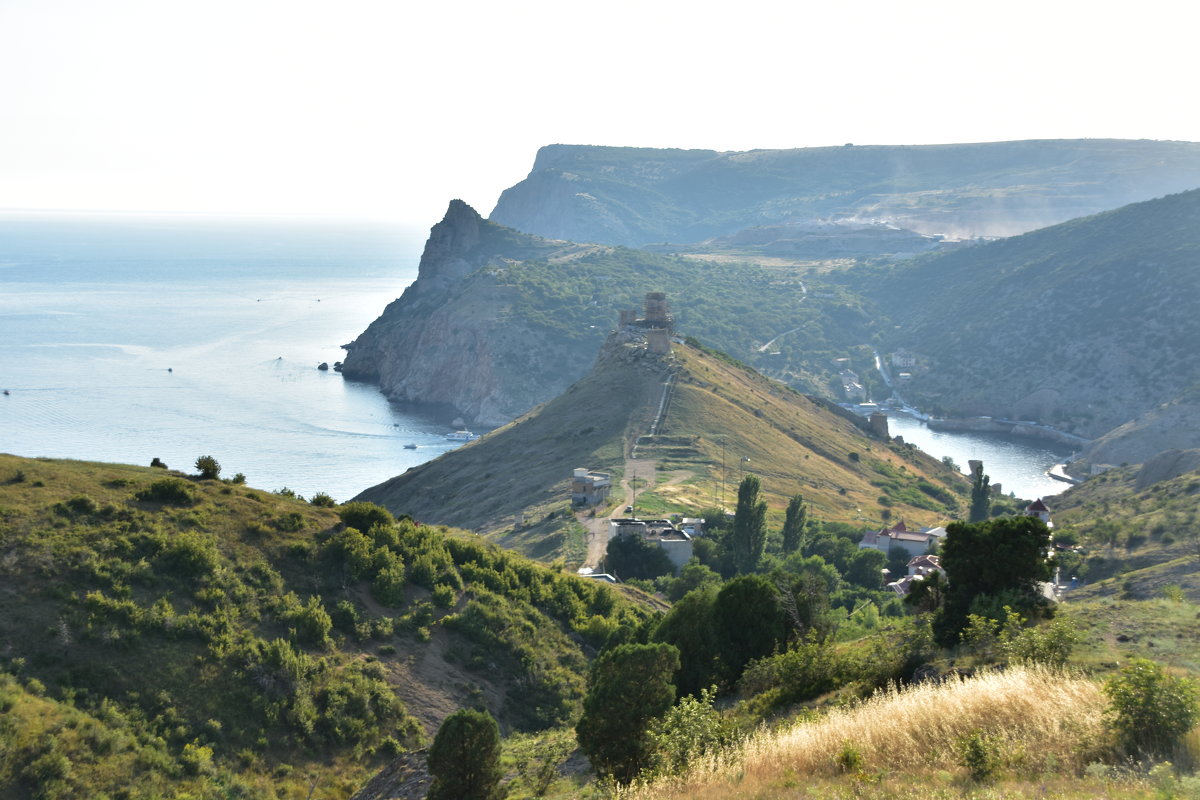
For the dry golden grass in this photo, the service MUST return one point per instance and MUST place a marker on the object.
(1039, 721)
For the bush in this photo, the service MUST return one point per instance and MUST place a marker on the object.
(168, 491)
(464, 759)
(208, 467)
(1150, 710)
(979, 755)
(363, 516)
(323, 500)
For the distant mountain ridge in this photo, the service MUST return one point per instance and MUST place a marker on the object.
(637, 196)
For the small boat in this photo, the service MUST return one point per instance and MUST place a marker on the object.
(410, 447)
(462, 436)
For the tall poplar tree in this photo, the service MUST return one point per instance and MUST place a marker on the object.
(749, 535)
(980, 495)
(793, 524)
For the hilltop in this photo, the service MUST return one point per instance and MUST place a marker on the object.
(513, 484)
(210, 638)
(1084, 325)
(637, 196)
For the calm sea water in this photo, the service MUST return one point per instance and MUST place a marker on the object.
(1018, 465)
(127, 338)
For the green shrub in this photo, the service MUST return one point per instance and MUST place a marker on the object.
(323, 500)
(979, 754)
(208, 467)
(168, 491)
(1150, 711)
(362, 516)
(849, 759)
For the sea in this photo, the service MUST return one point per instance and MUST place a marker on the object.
(125, 338)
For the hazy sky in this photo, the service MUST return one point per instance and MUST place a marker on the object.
(390, 109)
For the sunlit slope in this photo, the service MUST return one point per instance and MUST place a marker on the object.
(514, 483)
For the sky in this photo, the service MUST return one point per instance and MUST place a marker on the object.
(389, 109)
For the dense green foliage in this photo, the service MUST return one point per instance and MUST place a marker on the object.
(1151, 711)
(749, 535)
(628, 687)
(220, 640)
(633, 557)
(464, 759)
(990, 565)
(794, 522)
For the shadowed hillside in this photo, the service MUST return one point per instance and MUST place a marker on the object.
(1085, 325)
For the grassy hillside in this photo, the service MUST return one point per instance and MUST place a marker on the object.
(201, 636)
(1083, 325)
(514, 483)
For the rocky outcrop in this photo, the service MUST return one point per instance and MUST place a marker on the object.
(1166, 465)
(449, 341)
(1171, 427)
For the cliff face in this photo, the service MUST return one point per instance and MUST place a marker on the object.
(448, 339)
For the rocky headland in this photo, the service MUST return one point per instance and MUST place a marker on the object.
(450, 340)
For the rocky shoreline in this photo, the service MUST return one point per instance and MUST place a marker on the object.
(1032, 430)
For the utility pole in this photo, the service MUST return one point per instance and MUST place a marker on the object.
(722, 474)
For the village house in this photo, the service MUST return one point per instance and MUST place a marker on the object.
(918, 568)
(915, 543)
(903, 359)
(1038, 509)
(589, 488)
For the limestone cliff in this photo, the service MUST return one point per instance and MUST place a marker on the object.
(448, 340)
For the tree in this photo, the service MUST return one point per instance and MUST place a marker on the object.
(208, 467)
(1150, 710)
(980, 495)
(631, 556)
(866, 568)
(689, 627)
(464, 759)
(748, 538)
(628, 686)
(793, 524)
(990, 565)
(748, 621)
(925, 595)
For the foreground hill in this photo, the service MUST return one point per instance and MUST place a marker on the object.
(513, 484)
(499, 321)
(636, 196)
(163, 635)
(1084, 325)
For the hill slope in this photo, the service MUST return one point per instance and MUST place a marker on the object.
(1084, 325)
(514, 483)
(223, 640)
(635, 196)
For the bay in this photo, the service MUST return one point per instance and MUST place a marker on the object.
(1018, 464)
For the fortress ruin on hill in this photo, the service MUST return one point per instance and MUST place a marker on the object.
(656, 322)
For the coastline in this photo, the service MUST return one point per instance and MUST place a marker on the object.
(1032, 430)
